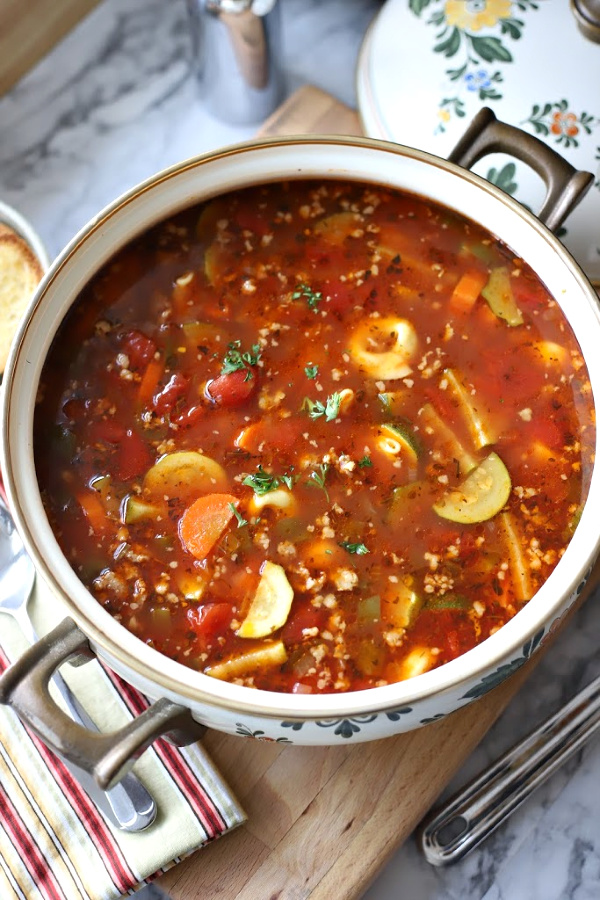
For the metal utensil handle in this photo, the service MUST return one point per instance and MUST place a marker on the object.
(128, 805)
(107, 756)
(565, 185)
(472, 814)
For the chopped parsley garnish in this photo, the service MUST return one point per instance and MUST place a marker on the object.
(365, 462)
(311, 371)
(263, 482)
(234, 359)
(317, 478)
(240, 519)
(313, 298)
(329, 409)
(359, 549)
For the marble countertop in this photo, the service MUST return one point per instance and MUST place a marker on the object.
(112, 104)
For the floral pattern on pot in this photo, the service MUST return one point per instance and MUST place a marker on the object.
(478, 33)
(489, 682)
(245, 731)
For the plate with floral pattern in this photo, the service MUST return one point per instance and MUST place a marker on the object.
(427, 66)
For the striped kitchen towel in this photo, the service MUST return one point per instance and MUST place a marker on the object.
(54, 844)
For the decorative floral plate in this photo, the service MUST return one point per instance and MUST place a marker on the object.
(427, 66)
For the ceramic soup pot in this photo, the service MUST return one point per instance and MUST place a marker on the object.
(185, 698)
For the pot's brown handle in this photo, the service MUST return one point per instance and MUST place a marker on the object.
(106, 756)
(565, 185)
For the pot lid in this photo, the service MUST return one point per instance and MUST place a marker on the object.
(426, 68)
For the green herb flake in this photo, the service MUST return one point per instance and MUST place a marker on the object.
(365, 462)
(358, 549)
(235, 359)
(261, 482)
(311, 371)
(240, 519)
(329, 409)
(289, 481)
(317, 478)
(313, 298)
(264, 482)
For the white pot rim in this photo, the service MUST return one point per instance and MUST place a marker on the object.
(121, 649)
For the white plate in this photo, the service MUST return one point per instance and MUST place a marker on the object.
(540, 74)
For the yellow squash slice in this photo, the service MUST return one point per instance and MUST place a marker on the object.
(265, 657)
(270, 605)
(183, 475)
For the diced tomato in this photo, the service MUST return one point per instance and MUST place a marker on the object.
(279, 434)
(189, 416)
(232, 389)
(139, 349)
(253, 220)
(548, 432)
(133, 457)
(175, 389)
(340, 296)
(105, 431)
(209, 620)
(303, 617)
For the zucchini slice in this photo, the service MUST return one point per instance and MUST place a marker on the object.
(398, 439)
(482, 494)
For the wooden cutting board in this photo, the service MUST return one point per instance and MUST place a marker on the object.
(322, 821)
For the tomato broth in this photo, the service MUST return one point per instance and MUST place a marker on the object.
(314, 437)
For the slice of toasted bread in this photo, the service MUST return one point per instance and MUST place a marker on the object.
(20, 272)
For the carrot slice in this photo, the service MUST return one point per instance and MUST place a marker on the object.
(149, 382)
(467, 290)
(93, 510)
(203, 523)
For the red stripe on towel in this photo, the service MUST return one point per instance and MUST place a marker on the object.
(32, 857)
(95, 826)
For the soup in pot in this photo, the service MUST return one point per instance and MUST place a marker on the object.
(314, 437)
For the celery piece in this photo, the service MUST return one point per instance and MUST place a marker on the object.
(402, 605)
(500, 298)
(135, 510)
(161, 620)
(265, 656)
(480, 430)
(197, 334)
(441, 433)
(368, 609)
(519, 569)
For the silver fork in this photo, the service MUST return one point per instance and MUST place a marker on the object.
(128, 805)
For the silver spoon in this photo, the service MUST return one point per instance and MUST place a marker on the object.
(128, 805)
(467, 818)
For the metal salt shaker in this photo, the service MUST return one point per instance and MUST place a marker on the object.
(237, 49)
